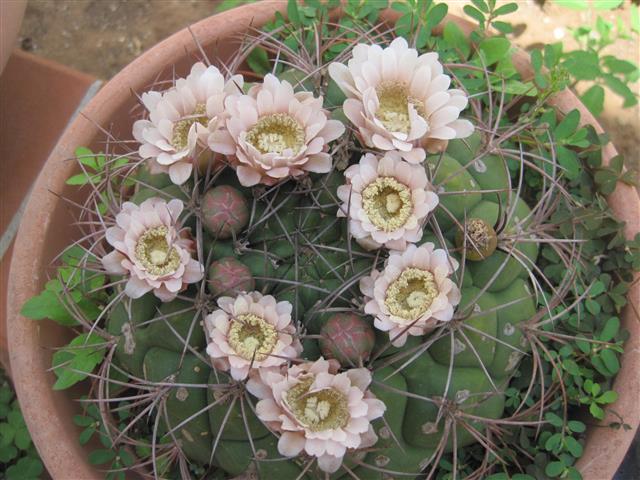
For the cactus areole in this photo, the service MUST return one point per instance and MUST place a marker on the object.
(363, 278)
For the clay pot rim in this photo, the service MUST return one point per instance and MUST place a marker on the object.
(57, 441)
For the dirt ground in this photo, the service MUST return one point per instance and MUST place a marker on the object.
(101, 36)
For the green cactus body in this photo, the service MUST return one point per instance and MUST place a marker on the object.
(292, 246)
(182, 403)
(459, 191)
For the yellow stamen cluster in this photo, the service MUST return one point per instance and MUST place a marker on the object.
(181, 129)
(411, 294)
(387, 203)
(155, 254)
(325, 409)
(276, 133)
(394, 101)
(252, 337)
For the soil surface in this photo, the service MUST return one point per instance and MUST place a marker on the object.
(102, 36)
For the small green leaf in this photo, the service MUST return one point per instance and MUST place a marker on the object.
(582, 65)
(569, 161)
(635, 18)
(610, 360)
(27, 468)
(100, 457)
(505, 9)
(610, 329)
(606, 4)
(7, 434)
(573, 4)
(293, 13)
(456, 39)
(571, 366)
(573, 446)
(593, 99)
(607, 397)
(436, 15)
(592, 306)
(516, 87)
(481, 5)
(75, 361)
(536, 59)
(47, 305)
(86, 435)
(8, 453)
(596, 411)
(554, 469)
(258, 61)
(494, 49)
(87, 158)
(616, 65)
(567, 125)
(474, 13)
(553, 419)
(553, 442)
(622, 89)
(576, 426)
(503, 27)
(22, 440)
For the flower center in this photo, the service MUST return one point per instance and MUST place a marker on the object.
(155, 254)
(394, 101)
(181, 128)
(387, 203)
(411, 294)
(325, 409)
(251, 337)
(276, 133)
(481, 239)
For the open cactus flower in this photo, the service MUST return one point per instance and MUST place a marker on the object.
(151, 250)
(182, 119)
(386, 200)
(317, 410)
(259, 291)
(412, 293)
(251, 331)
(399, 100)
(273, 133)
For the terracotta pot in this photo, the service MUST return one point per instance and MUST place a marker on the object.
(44, 232)
(10, 21)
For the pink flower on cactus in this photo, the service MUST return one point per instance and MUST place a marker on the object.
(317, 410)
(182, 119)
(251, 331)
(386, 199)
(413, 292)
(152, 250)
(399, 100)
(273, 133)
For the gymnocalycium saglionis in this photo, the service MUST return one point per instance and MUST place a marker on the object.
(355, 250)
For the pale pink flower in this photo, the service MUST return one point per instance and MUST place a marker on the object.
(273, 133)
(386, 200)
(152, 249)
(182, 119)
(399, 100)
(317, 410)
(251, 331)
(413, 293)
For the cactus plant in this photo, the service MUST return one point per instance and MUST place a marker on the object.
(293, 247)
(396, 280)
